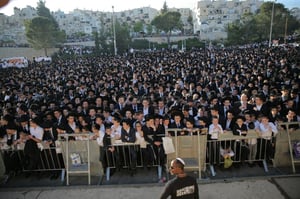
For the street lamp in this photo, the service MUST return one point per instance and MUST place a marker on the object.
(114, 30)
(271, 26)
(285, 28)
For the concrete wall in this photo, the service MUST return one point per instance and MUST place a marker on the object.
(24, 52)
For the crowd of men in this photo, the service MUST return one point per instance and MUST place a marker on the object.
(153, 90)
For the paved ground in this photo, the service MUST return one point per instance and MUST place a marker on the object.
(23, 52)
(274, 188)
(241, 183)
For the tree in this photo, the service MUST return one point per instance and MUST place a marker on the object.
(256, 27)
(149, 29)
(138, 27)
(104, 34)
(167, 22)
(190, 21)
(43, 11)
(164, 8)
(234, 33)
(42, 32)
(122, 36)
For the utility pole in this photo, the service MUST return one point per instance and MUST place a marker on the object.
(114, 30)
(271, 26)
(285, 29)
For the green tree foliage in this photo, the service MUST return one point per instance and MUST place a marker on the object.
(138, 27)
(149, 29)
(167, 22)
(140, 44)
(164, 8)
(43, 11)
(122, 37)
(42, 32)
(104, 34)
(190, 21)
(242, 31)
(256, 27)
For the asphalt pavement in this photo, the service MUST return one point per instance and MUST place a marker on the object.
(271, 188)
(241, 183)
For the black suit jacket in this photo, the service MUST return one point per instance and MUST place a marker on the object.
(236, 107)
(130, 135)
(175, 126)
(150, 110)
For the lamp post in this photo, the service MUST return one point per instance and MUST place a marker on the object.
(285, 28)
(114, 30)
(271, 25)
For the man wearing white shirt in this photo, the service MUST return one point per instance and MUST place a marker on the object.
(31, 150)
(267, 131)
(116, 127)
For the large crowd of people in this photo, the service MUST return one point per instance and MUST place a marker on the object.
(135, 97)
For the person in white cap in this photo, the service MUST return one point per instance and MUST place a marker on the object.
(183, 185)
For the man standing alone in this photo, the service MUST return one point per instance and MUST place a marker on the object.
(182, 186)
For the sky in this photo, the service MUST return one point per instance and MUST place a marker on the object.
(106, 5)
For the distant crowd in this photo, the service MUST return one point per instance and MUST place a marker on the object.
(196, 85)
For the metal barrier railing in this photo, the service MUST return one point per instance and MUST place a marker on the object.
(196, 150)
(45, 158)
(250, 148)
(131, 156)
(293, 138)
(191, 148)
(76, 154)
(205, 152)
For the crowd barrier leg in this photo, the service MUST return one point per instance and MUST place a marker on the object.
(62, 175)
(265, 166)
(159, 171)
(107, 173)
(212, 170)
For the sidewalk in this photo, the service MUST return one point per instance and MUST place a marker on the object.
(274, 188)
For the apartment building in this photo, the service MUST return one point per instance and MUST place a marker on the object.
(212, 16)
(77, 21)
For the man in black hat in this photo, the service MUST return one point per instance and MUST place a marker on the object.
(10, 157)
(31, 150)
(23, 124)
(177, 122)
(155, 146)
(296, 98)
(128, 136)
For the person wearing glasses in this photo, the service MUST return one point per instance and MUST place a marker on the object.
(183, 185)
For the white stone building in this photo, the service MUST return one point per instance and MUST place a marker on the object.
(212, 16)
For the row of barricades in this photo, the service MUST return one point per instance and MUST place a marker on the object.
(84, 156)
(18, 159)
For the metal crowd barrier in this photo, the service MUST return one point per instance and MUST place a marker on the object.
(191, 148)
(249, 149)
(125, 160)
(48, 158)
(200, 152)
(76, 154)
(197, 151)
(85, 150)
(293, 138)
